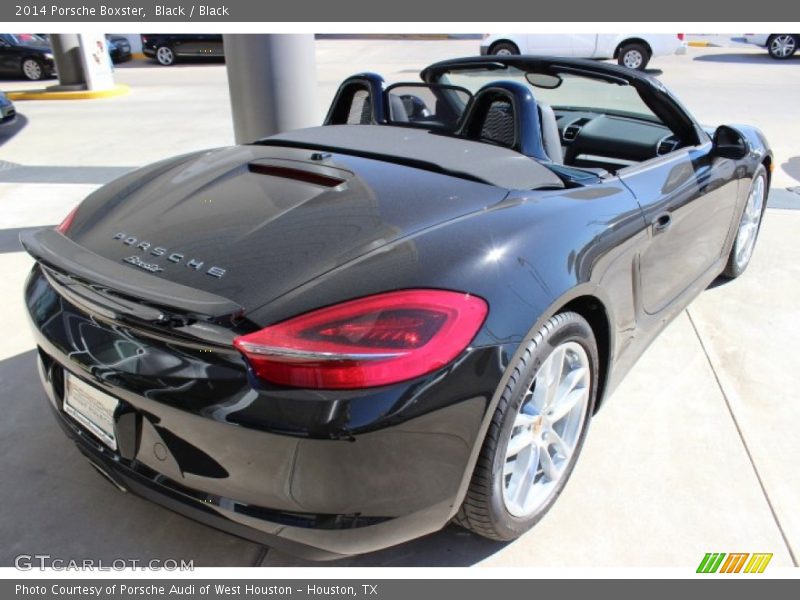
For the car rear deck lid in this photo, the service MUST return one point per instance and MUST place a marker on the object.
(53, 249)
(454, 156)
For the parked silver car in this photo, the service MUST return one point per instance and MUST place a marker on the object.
(779, 45)
(630, 50)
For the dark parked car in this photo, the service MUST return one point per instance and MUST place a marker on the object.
(344, 337)
(8, 114)
(26, 54)
(167, 48)
(119, 48)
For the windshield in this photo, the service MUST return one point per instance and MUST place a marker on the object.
(575, 92)
(426, 105)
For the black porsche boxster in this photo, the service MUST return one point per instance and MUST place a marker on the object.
(340, 338)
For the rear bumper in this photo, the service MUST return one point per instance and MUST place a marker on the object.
(307, 541)
(321, 479)
(121, 56)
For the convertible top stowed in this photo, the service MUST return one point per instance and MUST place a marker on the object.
(458, 157)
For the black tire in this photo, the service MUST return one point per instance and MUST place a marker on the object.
(504, 49)
(634, 56)
(734, 268)
(782, 46)
(165, 56)
(32, 69)
(483, 510)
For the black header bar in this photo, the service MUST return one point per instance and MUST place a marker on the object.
(432, 11)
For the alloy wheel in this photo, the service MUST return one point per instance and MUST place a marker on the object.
(547, 430)
(783, 46)
(32, 69)
(748, 226)
(165, 56)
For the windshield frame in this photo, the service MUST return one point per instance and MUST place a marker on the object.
(654, 94)
(572, 80)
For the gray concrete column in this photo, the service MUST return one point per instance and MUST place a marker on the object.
(273, 83)
(67, 56)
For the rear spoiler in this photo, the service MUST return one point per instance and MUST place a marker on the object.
(51, 248)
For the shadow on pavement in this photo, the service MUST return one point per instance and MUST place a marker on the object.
(151, 63)
(9, 238)
(749, 58)
(792, 167)
(451, 547)
(55, 503)
(719, 281)
(36, 82)
(9, 131)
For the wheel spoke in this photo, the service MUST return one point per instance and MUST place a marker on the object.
(519, 441)
(524, 419)
(555, 440)
(527, 476)
(551, 471)
(571, 400)
(553, 377)
(748, 227)
(566, 398)
(747, 234)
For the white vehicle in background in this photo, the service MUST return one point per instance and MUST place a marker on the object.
(779, 45)
(631, 50)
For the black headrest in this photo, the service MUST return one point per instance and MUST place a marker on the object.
(505, 113)
(373, 113)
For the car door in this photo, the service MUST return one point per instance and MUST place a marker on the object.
(202, 44)
(9, 57)
(183, 44)
(689, 200)
(583, 45)
(554, 44)
(214, 44)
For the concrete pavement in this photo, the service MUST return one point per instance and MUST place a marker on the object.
(694, 453)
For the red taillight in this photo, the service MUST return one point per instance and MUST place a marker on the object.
(681, 36)
(368, 342)
(64, 226)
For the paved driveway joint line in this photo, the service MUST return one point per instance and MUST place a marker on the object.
(744, 442)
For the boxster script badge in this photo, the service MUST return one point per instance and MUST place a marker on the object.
(138, 262)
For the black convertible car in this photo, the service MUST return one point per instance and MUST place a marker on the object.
(341, 338)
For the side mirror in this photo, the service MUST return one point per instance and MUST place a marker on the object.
(729, 143)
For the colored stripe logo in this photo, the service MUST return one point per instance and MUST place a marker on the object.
(735, 562)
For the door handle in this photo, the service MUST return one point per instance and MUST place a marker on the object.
(661, 223)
